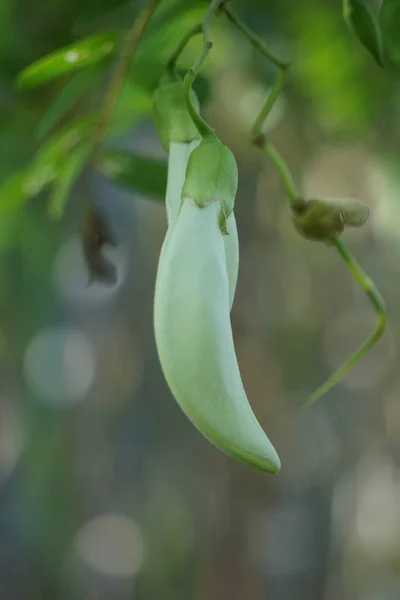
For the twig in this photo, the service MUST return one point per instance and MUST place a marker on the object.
(118, 78)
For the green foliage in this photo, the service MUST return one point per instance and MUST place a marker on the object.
(76, 87)
(102, 14)
(143, 174)
(134, 104)
(57, 164)
(68, 173)
(390, 27)
(46, 166)
(12, 190)
(362, 21)
(83, 53)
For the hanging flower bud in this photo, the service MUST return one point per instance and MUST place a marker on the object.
(320, 220)
(194, 336)
(180, 137)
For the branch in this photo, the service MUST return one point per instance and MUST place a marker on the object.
(113, 91)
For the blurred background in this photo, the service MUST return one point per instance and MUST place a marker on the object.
(106, 490)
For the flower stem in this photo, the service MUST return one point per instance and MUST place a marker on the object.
(205, 28)
(254, 39)
(260, 140)
(195, 30)
(379, 307)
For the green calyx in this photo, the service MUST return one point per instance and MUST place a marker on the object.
(320, 220)
(212, 176)
(170, 113)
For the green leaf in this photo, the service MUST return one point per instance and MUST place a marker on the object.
(361, 20)
(67, 177)
(134, 103)
(143, 174)
(45, 166)
(390, 27)
(163, 40)
(12, 191)
(77, 86)
(83, 53)
(173, 10)
(9, 230)
(99, 15)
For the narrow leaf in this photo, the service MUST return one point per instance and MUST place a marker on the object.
(98, 16)
(143, 174)
(66, 60)
(44, 167)
(77, 86)
(390, 27)
(134, 103)
(67, 177)
(12, 191)
(361, 20)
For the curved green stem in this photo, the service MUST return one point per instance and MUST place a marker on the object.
(260, 140)
(379, 306)
(269, 102)
(254, 39)
(205, 29)
(284, 171)
(195, 30)
(202, 126)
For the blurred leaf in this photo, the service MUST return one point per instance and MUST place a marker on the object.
(144, 174)
(390, 27)
(100, 15)
(69, 95)
(12, 191)
(66, 179)
(328, 70)
(134, 103)
(121, 13)
(147, 72)
(163, 40)
(170, 10)
(361, 20)
(45, 166)
(83, 53)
